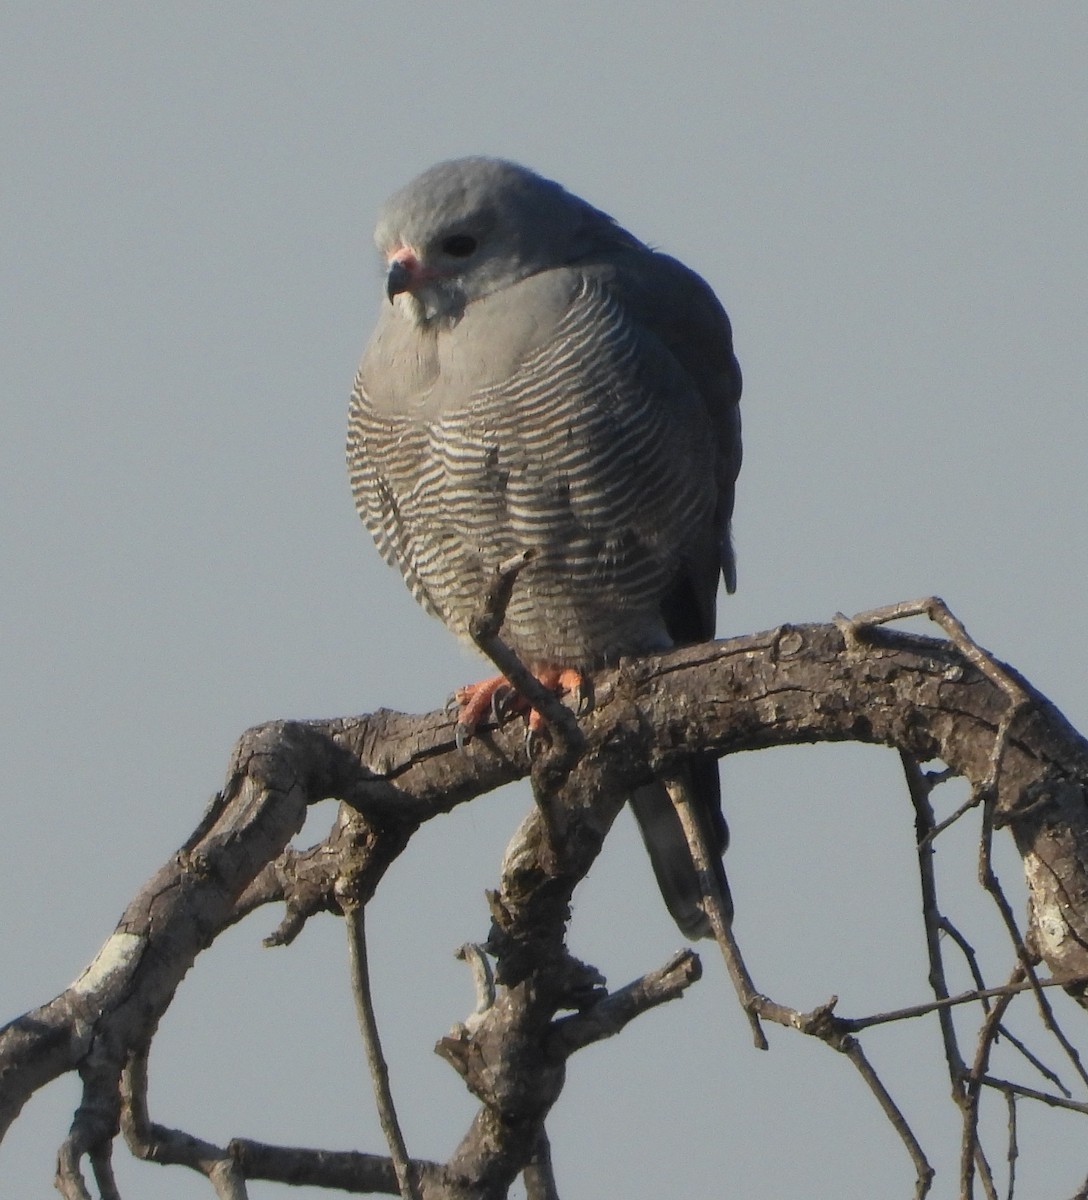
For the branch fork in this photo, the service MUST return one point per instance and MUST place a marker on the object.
(932, 700)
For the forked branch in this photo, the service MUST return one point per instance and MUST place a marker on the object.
(930, 699)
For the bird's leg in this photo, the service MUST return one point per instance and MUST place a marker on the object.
(476, 700)
(496, 696)
(564, 681)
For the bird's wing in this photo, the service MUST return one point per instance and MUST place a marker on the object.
(675, 305)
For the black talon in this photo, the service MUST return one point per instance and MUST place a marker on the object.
(501, 699)
(462, 735)
(535, 739)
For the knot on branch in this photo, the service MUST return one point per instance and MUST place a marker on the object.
(822, 1023)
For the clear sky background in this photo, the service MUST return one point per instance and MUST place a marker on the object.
(890, 200)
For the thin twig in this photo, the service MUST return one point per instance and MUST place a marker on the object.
(972, 801)
(972, 1155)
(484, 629)
(354, 915)
(1014, 1150)
(919, 788)
(1049, 1075)
(985, 1173)
(970, 956)
(723, 931)
(940, 614)
(967, 1084)
(1029, 1093)
(853, 1051)
(976, 995)
(567, 740)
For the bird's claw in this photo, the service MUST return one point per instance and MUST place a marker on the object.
(503, 700)
(496, 699)
(536, 738)
(582, 695)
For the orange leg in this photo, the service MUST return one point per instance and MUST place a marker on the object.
(476, 700)
(564, 681)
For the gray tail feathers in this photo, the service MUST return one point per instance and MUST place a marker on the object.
(668, 848)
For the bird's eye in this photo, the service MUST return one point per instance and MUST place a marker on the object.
(459, 245)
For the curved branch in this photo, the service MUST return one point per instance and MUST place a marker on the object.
(786, 686)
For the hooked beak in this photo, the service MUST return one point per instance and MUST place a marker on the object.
(398, 280)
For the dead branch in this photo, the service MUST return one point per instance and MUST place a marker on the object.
(932, 700)
(355, 919)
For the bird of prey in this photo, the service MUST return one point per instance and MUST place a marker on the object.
(539, 379)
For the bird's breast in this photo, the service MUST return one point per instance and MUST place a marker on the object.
(550, 424)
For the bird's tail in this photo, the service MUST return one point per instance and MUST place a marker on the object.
(668, 847)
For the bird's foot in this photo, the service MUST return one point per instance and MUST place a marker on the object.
(496, 697)
(474, 701)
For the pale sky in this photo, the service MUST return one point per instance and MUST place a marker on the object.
(890, 201)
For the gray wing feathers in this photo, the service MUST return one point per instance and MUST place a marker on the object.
(684, 313)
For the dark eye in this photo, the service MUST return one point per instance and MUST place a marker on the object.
(459, 245)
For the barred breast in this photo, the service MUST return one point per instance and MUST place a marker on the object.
(593, 449)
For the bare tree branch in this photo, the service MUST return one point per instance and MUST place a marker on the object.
(856, 681)
(355, 919)
(923, 1170)
(612, 1012)
(155, 1143)
(337, 1170)
(539, 1177)
(749, 998)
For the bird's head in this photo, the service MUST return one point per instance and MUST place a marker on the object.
(467, 228)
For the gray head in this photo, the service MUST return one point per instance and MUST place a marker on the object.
(471, 226)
